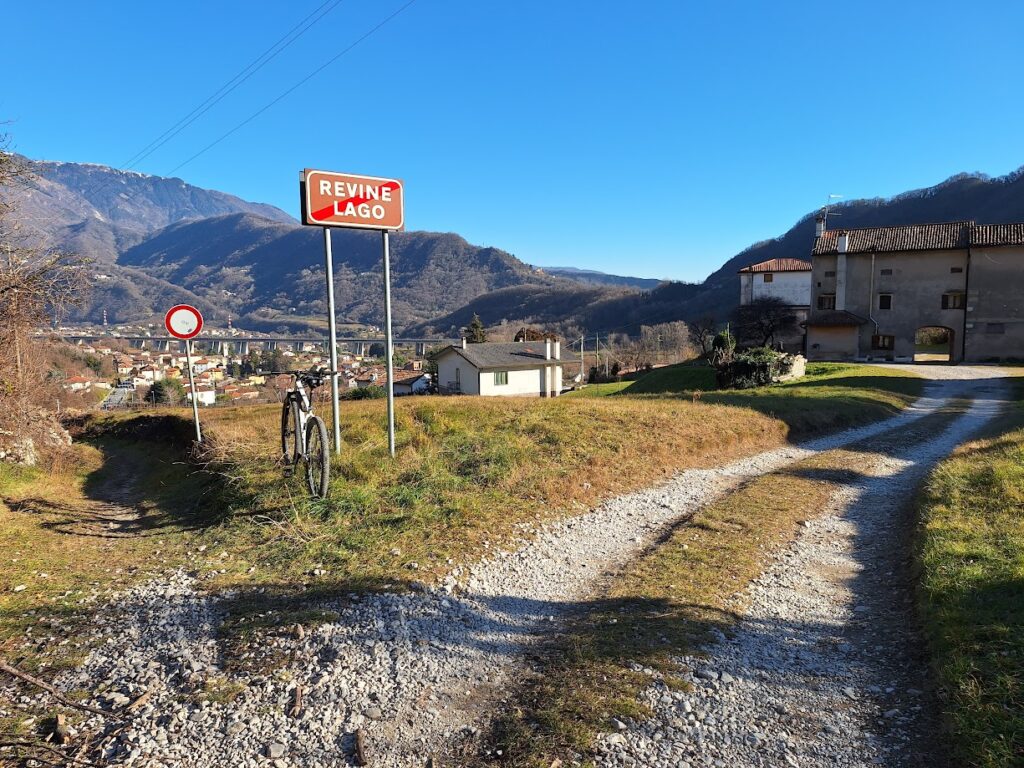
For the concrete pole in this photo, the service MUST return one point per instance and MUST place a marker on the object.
(388, 341)
(333, 326)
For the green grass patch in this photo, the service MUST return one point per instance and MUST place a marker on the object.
(971, 556)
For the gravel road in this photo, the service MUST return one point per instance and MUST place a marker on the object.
(416, 672)
(825, 667)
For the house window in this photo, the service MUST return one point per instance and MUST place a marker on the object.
(885, 301)
(768, 277)
(883, 342)
(956, 270)
(827, 301)
(500, 378)
(995, 328)
(886, 271)
(830, 273)
(952, 301)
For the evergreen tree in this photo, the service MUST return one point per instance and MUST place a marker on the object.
(475, 333)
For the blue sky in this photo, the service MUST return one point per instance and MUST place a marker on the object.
(655, 139)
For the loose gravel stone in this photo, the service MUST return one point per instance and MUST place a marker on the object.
(432, 664)
(825, 647)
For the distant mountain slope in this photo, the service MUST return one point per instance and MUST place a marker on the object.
(158, 241)
(603, 278)
(99, 211)
(259, 269)
(964, 196)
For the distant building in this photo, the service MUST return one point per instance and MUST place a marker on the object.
(515, 369)
(411, 382)
(205, 395)
(788, 280)
(77, 383)
(951, 291)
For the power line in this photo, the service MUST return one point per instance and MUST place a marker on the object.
(291, 89)
(211, 101)
(248, 71)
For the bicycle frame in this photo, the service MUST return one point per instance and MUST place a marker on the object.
(305, 410)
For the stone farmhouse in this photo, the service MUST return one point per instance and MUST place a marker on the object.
(514, 369)
(951, 291)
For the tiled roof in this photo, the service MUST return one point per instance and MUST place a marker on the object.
(516, 354)
(919, 237)
(779, 265)
(833, 317)
(997, 234)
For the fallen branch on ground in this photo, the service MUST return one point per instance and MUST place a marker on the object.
(15, 672)
(28, 744)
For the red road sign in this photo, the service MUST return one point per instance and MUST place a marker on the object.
(345, 200)
(183, 321)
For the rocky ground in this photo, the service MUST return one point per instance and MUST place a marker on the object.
(825, 668)
(411, 674)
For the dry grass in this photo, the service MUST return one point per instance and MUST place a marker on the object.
(470, 470)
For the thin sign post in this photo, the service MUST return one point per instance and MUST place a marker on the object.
(185, 322)
(355, 202)
(333, 326)
(388, 342)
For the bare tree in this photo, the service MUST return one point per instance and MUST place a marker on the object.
(765, 321)
(37, 287)
(702, 333)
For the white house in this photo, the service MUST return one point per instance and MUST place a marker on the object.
(411, 382)
(785, 279)
(204, 395)
(515, 369)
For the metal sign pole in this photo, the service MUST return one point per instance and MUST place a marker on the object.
(192, 387)
(388, 342)
(332, 324)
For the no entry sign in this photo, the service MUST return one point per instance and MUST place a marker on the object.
(345, 200)
(183, 321)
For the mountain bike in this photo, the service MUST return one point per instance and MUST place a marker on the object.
(303, 433)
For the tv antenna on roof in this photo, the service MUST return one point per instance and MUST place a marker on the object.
(821, 220)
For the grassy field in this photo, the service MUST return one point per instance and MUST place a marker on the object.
(468, 469)
(468, 472)
(971, 555)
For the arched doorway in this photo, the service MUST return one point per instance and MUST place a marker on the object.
(933, 344)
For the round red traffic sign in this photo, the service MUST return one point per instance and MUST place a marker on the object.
(183, 321)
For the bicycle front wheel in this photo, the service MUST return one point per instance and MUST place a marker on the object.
(291, 440)
(318, 461)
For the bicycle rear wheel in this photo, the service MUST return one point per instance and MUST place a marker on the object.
(291, 442)
(318, 461)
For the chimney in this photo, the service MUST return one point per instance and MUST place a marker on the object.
(842, 247)
(547, 349)
(819, 224)
(463, 342)
(557, 351)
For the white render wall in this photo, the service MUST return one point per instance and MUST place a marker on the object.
(521, 383)
(792, 287)
(469, 375)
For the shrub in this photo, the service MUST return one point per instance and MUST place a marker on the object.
(364, 393)
(756, 367)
